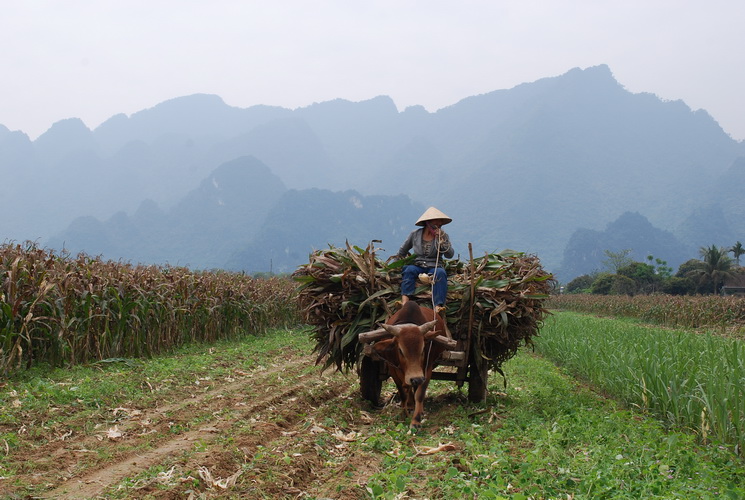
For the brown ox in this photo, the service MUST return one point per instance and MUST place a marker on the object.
(417, 340)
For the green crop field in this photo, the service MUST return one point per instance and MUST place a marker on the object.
(688, 380)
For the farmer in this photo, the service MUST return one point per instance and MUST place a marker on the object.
(430, 244)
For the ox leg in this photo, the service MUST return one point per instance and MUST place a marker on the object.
(409, 407)
(407, 399)
(421, 391)
(370, 380)
(406, 395)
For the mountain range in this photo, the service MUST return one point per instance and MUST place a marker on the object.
(541, 167)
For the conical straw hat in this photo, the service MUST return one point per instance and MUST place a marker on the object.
(432, 213)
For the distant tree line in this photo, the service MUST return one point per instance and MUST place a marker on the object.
(624, 276)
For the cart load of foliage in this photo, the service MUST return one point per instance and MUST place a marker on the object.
(343, 292)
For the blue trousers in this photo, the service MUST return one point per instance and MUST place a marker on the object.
(410, 274)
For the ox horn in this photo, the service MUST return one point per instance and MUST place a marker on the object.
(426, 327)
(371, 336)
(392, 329)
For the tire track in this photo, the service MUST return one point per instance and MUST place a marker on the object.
(93, 483)
(153, 424)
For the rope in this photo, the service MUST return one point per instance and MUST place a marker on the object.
(429, 353)
(437, 264)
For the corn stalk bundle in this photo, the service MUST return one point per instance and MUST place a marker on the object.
(345, 291)
(508, 307)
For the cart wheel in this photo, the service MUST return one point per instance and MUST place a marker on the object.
(477, 381)
(370, 383)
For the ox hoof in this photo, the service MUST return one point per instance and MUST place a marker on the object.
(416, 423)
(379, 405)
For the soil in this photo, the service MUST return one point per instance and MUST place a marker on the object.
(260, 434)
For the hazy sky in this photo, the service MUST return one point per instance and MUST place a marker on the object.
(92, 59)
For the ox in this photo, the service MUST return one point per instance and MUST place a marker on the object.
(410, 342)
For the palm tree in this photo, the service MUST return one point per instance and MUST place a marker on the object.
(737, 250)
(715, 266)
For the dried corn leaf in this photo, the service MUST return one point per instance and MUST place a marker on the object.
(343, 292)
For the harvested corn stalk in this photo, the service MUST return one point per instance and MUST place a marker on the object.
(345, 291)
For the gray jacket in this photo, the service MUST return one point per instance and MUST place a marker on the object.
(415, 243)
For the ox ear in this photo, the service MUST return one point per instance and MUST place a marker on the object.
(426, 327)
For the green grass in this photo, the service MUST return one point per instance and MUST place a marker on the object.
(548, 437)
(544, 436)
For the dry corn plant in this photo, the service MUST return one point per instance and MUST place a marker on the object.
(64, 310)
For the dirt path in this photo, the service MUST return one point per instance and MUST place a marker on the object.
(261, 428)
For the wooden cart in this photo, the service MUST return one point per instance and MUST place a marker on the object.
(508, 286)
(374, 372)
(463, 356)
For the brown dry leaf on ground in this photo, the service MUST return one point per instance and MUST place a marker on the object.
(349, 437)
(431, 450)
(223, 484)
(114, 433)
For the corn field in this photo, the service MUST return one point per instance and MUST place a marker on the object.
(59, 309)
(675, 311)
